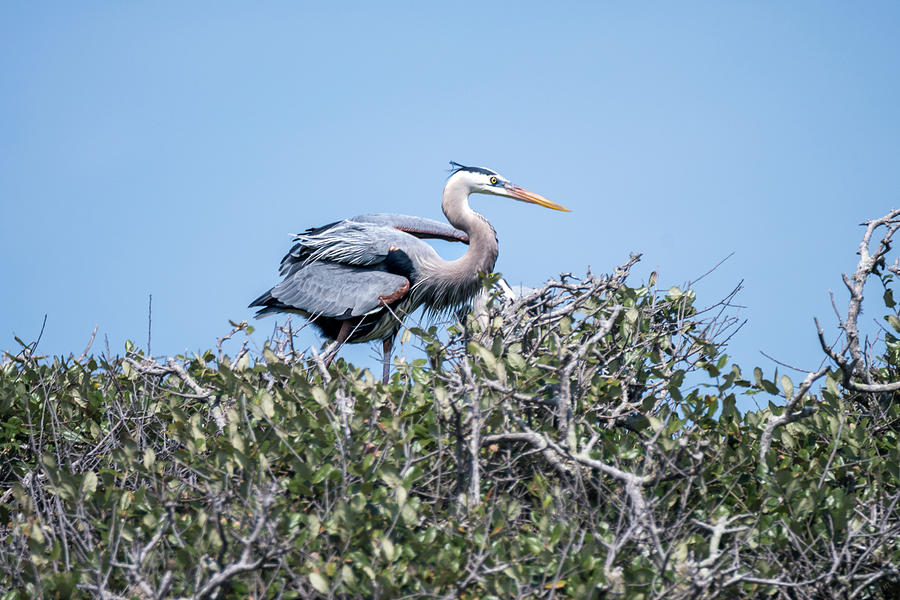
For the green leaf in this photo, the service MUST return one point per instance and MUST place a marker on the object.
(269, 356)
(266, 404)
(89, 484)
(894, 321)
(788, 386)
(320, 396)
(484, 354)
(516, 361)
(400, 493)
(313, 525)
(149, 457)
(390, 477)
(319, 582)
(387, 548)
(357, 502)
(631, 314)
(409, 514)
(786, 438)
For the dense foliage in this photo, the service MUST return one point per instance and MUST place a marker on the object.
(580, 440)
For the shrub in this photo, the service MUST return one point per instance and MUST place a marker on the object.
(580, 440)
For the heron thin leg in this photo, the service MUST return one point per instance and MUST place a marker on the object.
(386, 358)
(343, 334)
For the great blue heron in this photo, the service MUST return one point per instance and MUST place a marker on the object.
(356, 279)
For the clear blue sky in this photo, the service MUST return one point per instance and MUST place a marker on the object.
(171, 148)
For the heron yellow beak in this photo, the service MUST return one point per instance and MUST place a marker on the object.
(520, 193)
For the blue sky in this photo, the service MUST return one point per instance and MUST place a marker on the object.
(171, 148)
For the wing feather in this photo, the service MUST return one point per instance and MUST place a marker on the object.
(334, 290)
(366, 241)
(354, 267)
(420, 227)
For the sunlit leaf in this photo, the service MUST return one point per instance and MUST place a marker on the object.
(319, 582)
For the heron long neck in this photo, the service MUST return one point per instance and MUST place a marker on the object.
(483, 248)
(448, 284)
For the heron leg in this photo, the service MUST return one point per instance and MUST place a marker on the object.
(386, 358)
(343, 334)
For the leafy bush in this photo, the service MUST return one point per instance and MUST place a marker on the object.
(580, 440)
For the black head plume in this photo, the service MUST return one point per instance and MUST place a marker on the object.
(455, 167)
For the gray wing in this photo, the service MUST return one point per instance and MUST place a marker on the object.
(351, 242)
(417, 226)
(334, 290)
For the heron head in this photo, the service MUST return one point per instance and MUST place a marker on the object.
(485, 181)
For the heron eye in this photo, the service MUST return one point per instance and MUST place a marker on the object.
(493, 181)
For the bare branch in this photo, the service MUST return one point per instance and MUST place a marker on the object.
(790, 413)
(246, 562)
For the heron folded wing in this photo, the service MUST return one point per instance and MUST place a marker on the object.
(339, 291)
(352, 243)
(418, 226)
